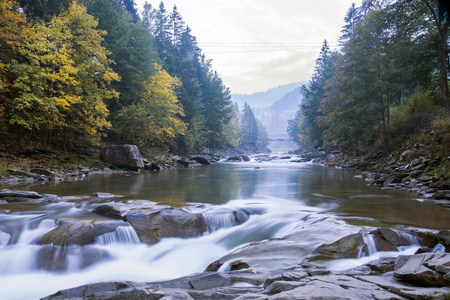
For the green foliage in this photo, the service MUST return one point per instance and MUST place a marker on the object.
(205, 100)
(294, 130)
(57, 77)
(154, 120)
(130, 45)
(381, 88)
(71, 74)
(253, 136)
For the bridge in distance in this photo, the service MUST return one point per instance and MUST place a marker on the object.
(279, 137)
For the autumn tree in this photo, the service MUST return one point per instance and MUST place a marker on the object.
(58, 77)
(155, 120)
(88, 117)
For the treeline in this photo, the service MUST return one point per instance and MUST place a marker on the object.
(388, 81)
(83, 72)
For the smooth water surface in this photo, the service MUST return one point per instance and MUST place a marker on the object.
(289, 195)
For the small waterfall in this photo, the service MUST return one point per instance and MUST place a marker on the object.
(216, 221)
(122, 235)
(439, 248)
(411, 240)
(4, 238)
(29, 236)
(370, 246)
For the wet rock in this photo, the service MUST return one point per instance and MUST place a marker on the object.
(218, 286)
(113, 210)
(56, 258)
(201, 160)
(152, 166)
(75, 233)
(281, 286)
(406, 291)
(22, 200)
(41, 171)
(346, 247)
(151, 225)
(183, 163)
(425, 238)
(288, 276)
(393, 237)
(423, 269)
(443, 238)
(235, 158)
(391, 179)
(381, 244)
(126, 156)
(268, 254)
(103, 290)
(210, 281)
(382, 265)
(105, 195)
(26, 174)
(335, 287)
(19, 194)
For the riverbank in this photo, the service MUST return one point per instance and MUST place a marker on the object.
(49, 165)
(411, 170)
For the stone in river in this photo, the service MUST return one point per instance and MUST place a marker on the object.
(201, 160)
(151, 225)
(346, 247)
(71, 232)
(126, 156)
(19, 194)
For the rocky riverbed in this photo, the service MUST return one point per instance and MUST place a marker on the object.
(319, 257)
(411, 170)
(313, 260)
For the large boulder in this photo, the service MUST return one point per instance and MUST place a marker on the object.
(201, 160)
(346, 247)
(126, 156)
(429, 269)
(152, 225)
(262, 255)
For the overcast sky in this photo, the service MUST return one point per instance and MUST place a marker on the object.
(256, 45)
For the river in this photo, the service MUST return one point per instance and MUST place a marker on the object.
(288, 194)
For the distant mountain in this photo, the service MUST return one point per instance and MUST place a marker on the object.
(275, 117)
(267, 98)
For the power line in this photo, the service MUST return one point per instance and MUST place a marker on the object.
(256, 47)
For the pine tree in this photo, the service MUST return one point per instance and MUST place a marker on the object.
(249, 129)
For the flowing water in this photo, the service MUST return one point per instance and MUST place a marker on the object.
(284, 195)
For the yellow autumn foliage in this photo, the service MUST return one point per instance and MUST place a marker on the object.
(155, 119)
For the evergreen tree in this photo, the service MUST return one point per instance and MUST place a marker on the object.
(249, 129)
(352, 18)
(313, 93)
(130, 45)
(130, 6)
(43, 10)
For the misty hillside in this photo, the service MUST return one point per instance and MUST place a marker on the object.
(264, 99)
(275, 117)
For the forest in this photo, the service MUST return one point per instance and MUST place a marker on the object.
(386, 87)
(90, 72)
